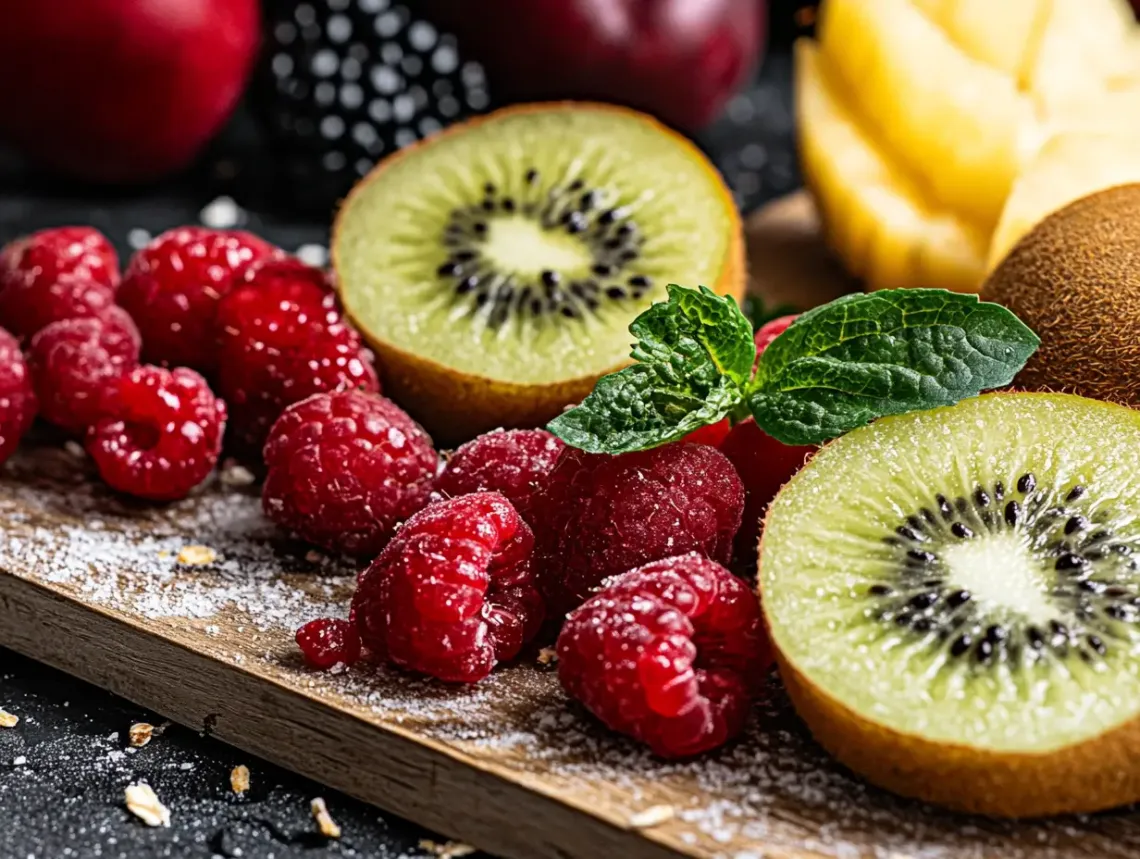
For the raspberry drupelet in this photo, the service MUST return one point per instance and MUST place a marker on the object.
(159, 434)
(453, 594)
(669, 653)
(345, 469)
(600, 515)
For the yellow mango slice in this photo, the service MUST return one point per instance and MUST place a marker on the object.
(1068, 167)
(955, 122)
(874, 215)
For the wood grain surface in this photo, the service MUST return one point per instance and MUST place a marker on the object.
(99, 586)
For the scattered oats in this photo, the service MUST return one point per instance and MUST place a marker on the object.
(327, 825)
(140, 734)
(197, 556)
(186, 766)
(547, 656)
(138, 238)
(236, 474)
(239, 779)
(7, 720)
(313, 254)
(143, 804)
(447, 850)
(20, 761)
(113, 737)
(74, 448)
(222, 213)
(655, 815)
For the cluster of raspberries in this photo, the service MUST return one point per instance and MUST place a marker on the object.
(145, 366)
(469, 557)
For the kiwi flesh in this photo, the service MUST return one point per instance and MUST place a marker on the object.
(954, 600)
(1075, 280)
(496, 267)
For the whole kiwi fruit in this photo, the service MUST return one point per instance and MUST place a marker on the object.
(1075, 280)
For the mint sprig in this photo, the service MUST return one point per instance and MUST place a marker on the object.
(835, 368)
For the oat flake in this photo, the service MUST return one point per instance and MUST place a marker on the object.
(144, 804)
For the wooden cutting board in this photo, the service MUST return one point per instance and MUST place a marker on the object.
(99, 586)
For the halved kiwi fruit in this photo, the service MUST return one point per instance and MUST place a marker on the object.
(954, 599)
(495, 267)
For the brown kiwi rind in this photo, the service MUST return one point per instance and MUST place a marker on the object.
(1075, 280)
(1100, 773)
(454, 405)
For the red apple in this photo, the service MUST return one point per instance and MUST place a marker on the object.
(121, 90)
(678, 59)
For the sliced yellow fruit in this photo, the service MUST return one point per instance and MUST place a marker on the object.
(953, 121)
(999, 33)
(875, 216)
(1068, 167)
(1085, 45)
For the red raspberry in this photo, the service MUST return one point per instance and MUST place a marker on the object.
(160, 434)
(73, 360)
(327, 643)
(669, 653)
(453, 593)
(345, 469)
(712, 435)
(17, 400)
(764, 465)
(172, 288)
(601, 515)
(772, 329)
(61, 273)
(512, 462)
(281, 340)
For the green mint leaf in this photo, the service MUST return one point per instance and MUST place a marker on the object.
(694, 325)
(695, 354)
(865, 356)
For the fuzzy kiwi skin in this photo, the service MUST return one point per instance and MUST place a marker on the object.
(1100, 773)
(453, 405)
(1075, 280)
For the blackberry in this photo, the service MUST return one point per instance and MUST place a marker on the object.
(343, 83)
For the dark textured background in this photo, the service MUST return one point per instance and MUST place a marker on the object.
(65, 797)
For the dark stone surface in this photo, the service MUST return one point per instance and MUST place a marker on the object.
(66, 798)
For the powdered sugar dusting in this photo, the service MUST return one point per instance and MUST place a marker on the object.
(774, 794)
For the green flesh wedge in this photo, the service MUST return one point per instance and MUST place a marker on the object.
(966, 575)
(520, 247)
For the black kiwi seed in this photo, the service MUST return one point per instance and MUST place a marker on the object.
(922, 556)
(982, 497)
(531, 176)
(1036, 637)
(1069, 561)
(999, 490)
(602, 269)
(1026, 483)
(984, 650)
(616, 292)
(551, 278)
(944, 507)
(923, 600)
(448, 269)
(1096, 644)
(1012, 512)
(961, 644)
(906, 533)
(961, 530)
(1076, 523)
(1075, 493)
(639, 280)
(880, 590)
(961, 505)
(508, 204)
(576, 185)
(996, 633)
(928, 515)
(958, 598)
